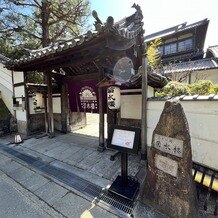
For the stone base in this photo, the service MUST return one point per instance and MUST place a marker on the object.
(22, 127)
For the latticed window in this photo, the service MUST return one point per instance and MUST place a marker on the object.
(170, 48)
(161, 50)
(185, 45)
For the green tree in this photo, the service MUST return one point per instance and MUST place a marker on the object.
(33, 24)
(153, 53)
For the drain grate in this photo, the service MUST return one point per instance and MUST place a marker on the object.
(117, 202)
(76, 182)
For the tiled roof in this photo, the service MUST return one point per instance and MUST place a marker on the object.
(213, 50)
(3, 58)
(201, 64)
(175, 29)
(127, 28)
(211, 97)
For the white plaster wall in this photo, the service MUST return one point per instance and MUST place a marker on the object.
(20, 112)
(202, 119)
(131, 104)
(40, 103)
(18, 77)
(19, 92)
(21, 115)
(205, 74)
(5, 77)
(57, 105)
(6, 87)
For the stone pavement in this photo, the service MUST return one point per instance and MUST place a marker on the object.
(73, 153)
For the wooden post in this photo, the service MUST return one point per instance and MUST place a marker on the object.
(12, 77)
(27, 106)
(50, 106)
(144, 108)
(46, 112)
(64, 108)
(101, 146)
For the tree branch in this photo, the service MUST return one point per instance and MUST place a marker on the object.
(17, 3)
(28, 17)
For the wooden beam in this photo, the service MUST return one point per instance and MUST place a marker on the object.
(50, 105)
(144, 108)
(46, 113)
(84, 77)
(19, 84)
(27, 107)
(64, 108)
(101, 146)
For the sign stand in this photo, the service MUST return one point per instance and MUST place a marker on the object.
(124, 185)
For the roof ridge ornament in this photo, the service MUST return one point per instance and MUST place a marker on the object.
(98, 23)
(138, 14)
(110, 22)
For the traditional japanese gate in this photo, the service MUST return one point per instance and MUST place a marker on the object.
(89, 57)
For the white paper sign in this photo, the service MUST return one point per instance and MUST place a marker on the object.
(166, 165)
(123, 138)
(169, 145)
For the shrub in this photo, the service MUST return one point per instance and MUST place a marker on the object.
(215, 89)
(174, 88)
(201, 87)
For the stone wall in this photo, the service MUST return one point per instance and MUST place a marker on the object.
(57, 121)
(22, 127)
(37, 123)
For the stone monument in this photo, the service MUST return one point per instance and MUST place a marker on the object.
(169, 185)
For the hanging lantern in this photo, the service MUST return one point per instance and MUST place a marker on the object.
(113, 97)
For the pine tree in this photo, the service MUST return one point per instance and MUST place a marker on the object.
(32, 24)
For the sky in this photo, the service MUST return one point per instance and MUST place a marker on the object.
(162, 14)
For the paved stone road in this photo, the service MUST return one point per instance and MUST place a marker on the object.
(26, 193)
(76, 154)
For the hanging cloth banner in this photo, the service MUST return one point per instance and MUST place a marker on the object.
(83, 97)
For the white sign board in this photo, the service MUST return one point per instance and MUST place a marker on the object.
(169, 145)
(123, 138)
(166, 165)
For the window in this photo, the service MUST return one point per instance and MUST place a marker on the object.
(185, 45)
(170, 48)
(161, 50)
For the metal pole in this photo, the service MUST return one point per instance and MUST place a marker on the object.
(124, 169)
(144, 108)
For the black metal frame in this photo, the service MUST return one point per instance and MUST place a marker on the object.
(136, 144)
